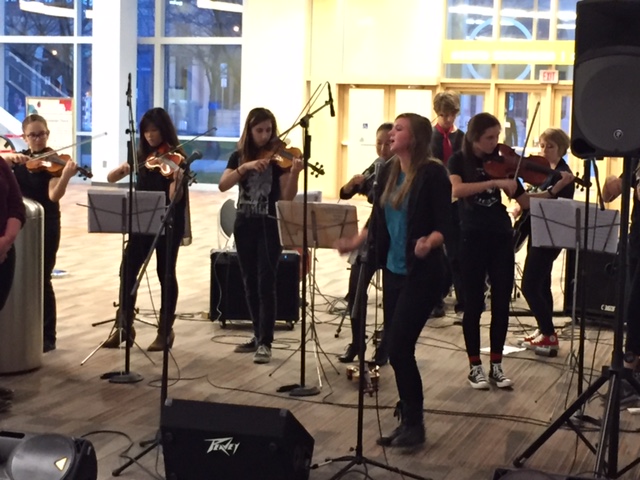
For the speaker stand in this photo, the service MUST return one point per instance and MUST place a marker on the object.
(608, 445)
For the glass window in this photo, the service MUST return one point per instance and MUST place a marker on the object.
(469, 19)
(146, 18)
(514, 72)
(144, 88)
(203, 18)
(86, 18)
(37, 70)
(215, 155)
(84, 152)
(202, 85)
(470, 105)
(38, 18)
(84, 82)
(468, 71)
(566, 20)
(516, 22)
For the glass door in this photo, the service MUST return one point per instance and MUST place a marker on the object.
(516, 108)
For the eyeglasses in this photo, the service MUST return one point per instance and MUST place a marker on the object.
(35, 136)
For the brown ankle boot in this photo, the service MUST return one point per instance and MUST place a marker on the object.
(117, 337)
(158, 344)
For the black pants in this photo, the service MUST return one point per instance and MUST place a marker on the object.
(452, 243)
(136, 252)
(51, 245)
(485, 253)
(536, 285)
(408, 301)
(7, 270)
(259, 249)
(368, 271)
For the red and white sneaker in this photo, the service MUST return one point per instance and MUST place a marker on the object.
(544, 345)
(528, 338)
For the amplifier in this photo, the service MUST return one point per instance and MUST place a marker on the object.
(600, 284)
(227, 296)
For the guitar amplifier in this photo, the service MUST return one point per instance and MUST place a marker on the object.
(227, 295)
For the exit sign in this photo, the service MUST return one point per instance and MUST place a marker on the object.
(549, 76)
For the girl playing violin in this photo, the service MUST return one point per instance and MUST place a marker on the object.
(486, 244)
(261, 184)
(46, 189)
(157, 133)
(536, 277)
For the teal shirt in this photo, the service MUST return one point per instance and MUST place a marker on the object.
(397, 228)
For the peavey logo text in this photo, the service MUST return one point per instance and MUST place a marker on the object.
(224, 445)
(607, 308)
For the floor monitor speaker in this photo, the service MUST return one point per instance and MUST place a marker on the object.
(600, 286)
(27, 456)
(203, 440)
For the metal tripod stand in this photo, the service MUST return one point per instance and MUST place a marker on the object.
(607, 450)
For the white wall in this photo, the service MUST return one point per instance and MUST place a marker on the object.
(114, 57)
(377, 42)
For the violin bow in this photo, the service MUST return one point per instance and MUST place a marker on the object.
(76, 144)
(175, 149)
(526, 142)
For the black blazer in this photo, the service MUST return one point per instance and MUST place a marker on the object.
(428, 210)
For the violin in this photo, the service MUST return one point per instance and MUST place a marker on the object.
(164, 158)
(283, 156)
(53, 162)
(533, 169)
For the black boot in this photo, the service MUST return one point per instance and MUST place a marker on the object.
(413, 432)
(350, 354)
(387, 440)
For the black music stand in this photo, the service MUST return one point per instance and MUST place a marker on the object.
(109, 211)
(329, 222)
(614, 375)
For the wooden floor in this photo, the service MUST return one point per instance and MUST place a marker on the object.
(469, 433)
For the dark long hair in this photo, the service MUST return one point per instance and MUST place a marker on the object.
(421, 132)
(248, 149)
(159, 118)
(478, 124)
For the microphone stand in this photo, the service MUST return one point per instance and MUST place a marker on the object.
(126, 298)
(167, 228)
(302, 390)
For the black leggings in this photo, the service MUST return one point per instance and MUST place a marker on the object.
(408, 301)
(7, 270)
(137, 250)
(259, 249)
(485, 253)
(536, 285)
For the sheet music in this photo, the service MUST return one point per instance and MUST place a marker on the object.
(326, 222)
(108, 211)
(554, 221)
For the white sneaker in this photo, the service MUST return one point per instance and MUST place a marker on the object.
(262, 355)
(497, 376)
(477, 378)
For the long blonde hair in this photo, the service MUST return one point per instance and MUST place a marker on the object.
(421, 132)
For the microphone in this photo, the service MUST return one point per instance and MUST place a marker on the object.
(331, 109)
(129, 86)
(376, 171)
(196, 155)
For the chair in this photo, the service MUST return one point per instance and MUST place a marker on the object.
(227, 219)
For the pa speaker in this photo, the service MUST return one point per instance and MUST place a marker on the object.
(600, 286)
(202, 440)
(25, 456)
(606, 97)
(227, 295)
